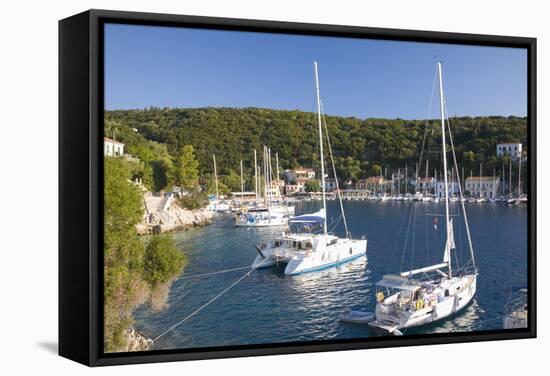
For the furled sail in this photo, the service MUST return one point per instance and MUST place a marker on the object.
(450, 244)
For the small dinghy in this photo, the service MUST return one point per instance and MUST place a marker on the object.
(357, 317)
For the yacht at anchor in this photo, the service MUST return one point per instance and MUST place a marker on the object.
(307, 251)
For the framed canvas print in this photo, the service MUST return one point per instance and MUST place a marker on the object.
(239, 187)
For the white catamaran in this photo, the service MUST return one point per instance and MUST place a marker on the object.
(430, 293)
(308, 252)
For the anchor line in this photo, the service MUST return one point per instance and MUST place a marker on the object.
(214, 273)
(204, 305)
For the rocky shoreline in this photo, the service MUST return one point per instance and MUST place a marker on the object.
(136, 341)
(164, 215)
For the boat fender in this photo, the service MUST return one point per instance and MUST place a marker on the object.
(419, 304)
(380, 296)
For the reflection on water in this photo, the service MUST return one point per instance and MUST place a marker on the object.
(268, 307)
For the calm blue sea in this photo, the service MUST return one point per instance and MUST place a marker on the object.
(268, 307)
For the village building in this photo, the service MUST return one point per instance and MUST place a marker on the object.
(371, 183)
(291, 176)
(330, 184)
(112, 148)
(482, 186)
(451, 186)
(513, 149)
(296, 186)
(427, 183)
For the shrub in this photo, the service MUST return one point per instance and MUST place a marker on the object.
(194, 200)
(162, 260)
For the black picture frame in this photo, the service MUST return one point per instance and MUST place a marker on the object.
(81, 200)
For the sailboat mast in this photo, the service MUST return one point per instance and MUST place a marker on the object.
(426, 175)
(406, 180)
(265, 177)
(399, 181)
(435, 181)
(510, 188)
(215, 175)
(503, 181)
(277, 175)
(442, 104)
(480, 175)
(269, 176)
(493, 183)
(242, 183)
(519, 177)
(321, 145)
(255, 175)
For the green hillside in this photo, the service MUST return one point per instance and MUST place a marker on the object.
(362, 147)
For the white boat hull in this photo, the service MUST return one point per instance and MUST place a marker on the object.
(300, 261)
(390, 320)
(273, 217)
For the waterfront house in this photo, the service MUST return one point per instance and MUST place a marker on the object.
(513, 149)
(427, 183)
(482, 186)
(112, 148)
(330, 184)
(291, 176)
(372, 183)
(451, 186)
(296, 186)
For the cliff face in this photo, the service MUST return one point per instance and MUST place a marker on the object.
(162, 215)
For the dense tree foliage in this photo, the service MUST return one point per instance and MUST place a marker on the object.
(185, 172)
(195, 199)
(361, 147)
(161, 263)
(132, 271)
(312, 185)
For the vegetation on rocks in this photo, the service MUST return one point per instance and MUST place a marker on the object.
(134, 272)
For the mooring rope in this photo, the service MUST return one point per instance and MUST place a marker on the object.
(204, 305)
(214, 273)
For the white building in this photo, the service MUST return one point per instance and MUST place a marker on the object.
(425, 183)
(451, 186)
(299, 173)
(299, 186)
(112, 148)
(483, 186)
(330, 184)
(511, 149)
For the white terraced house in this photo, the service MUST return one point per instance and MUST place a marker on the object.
(112, 148)
(512, 149)
(483, 186)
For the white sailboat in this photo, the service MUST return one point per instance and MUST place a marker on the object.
(215, 204)
(272, 212)
(308, 252)
(434, 292)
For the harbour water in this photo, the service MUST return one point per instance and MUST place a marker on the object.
(268, 307)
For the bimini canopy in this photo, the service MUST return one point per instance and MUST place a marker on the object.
(313, 219)
(398, 283)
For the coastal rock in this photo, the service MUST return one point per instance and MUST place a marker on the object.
(163, 215)
(135, 341)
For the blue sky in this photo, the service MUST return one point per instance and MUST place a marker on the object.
(175, 67)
